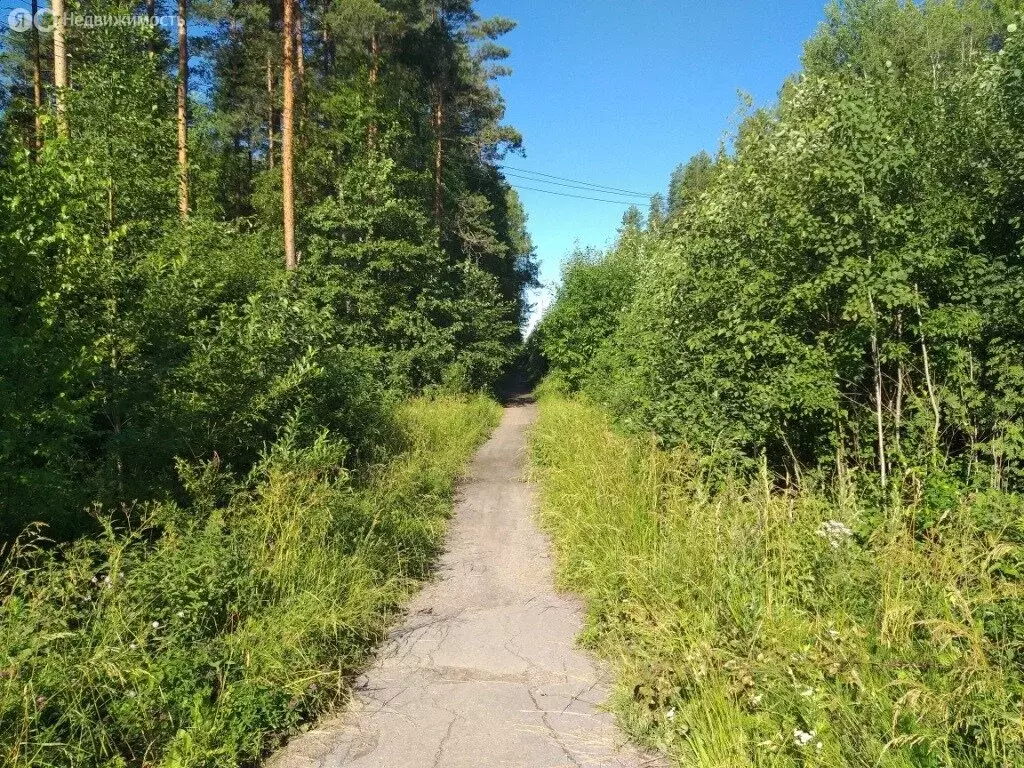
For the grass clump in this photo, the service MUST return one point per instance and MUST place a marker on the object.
(205, 632)
(754, 626)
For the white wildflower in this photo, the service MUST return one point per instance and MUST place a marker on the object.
(133, 646)
(181, 614)
(802, 738)
(156, 625)
(670, 715)
(835, 532)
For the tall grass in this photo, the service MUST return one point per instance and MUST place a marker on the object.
(753, 626)
(202, 635)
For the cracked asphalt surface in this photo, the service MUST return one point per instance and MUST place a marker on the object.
(484, 670)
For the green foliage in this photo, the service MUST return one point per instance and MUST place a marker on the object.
(811, 554)
(129, 338)
(119, 362)
(594, 293)
(689, 181)
(921, 43)
(752, 627)
(841, 288)
(200, 634)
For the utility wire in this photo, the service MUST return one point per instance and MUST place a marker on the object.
(584, 184)
(572, 186)
(578, 197)
(598, 187)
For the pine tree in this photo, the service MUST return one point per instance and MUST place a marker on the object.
(37, 83)
(287, 135)
(182, 116)
(60, 66)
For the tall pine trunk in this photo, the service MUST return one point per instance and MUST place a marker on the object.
(439, 116)
(182, 109)
(270, 111)
(37, 83)
(329, 48)
(439, 156)
(300, 60)
(60, 66)
(287, 130)
(300, 71)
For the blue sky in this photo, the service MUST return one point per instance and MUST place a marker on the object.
(618, 92)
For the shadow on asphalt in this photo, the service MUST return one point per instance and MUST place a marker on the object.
(516, 391)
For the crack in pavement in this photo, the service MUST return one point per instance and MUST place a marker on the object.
(554, 733)
(484, 640)
(439, 755)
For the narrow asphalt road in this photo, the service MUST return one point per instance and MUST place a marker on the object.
(484, 671)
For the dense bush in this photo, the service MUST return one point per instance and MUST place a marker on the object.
(594, 292)
(112, 369)
(842, 285)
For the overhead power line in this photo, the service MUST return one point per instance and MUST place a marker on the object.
(597, 187)
(578, 197)
(587, 188)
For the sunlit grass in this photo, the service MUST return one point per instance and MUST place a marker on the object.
(204, 634)
(752, 626)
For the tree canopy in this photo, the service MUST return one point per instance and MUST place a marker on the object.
(145, 313)
(840, 286)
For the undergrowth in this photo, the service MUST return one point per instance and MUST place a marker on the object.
(754, 626)
(203, 634)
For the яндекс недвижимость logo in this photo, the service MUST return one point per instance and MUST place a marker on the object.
(20, 20)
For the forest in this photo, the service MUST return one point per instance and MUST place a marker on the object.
(312, 224)
(255, 261)
(799, 402)
(263, 283)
